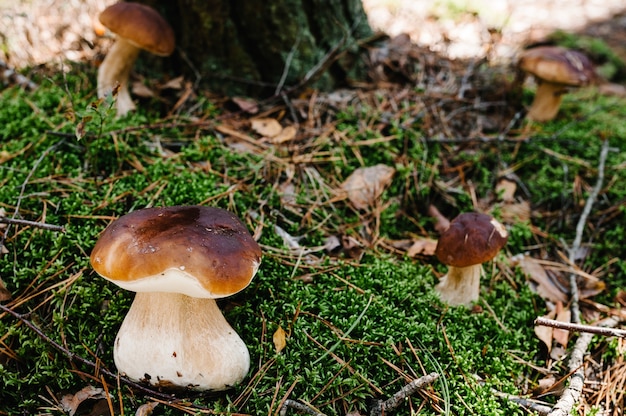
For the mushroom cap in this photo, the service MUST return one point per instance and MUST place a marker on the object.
(558, 65)
(472, 238)
(140, 25)
(198, 251)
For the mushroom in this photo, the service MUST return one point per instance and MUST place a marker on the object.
(137, 27)
(555, 69)
(471, 240)
(179, 260)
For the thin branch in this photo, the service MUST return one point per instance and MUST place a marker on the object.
(389, 405)
(298, 407)
(36, 224)
(25, 183)
(572, 393)
(591, 329)
(580, 227)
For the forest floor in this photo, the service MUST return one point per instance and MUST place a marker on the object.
(344, 312)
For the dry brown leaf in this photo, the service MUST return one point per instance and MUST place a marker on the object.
(424, 246)
(146, 409)
(505, 189)
(442, 222)
(247, 105)
(280, 339)
(174, 83)
(515, 212)
(4, 292)
(72, 402)
(544, 333)
(543, 285)
(563, 315)
(141, 90)
(365, 185)
(266, 127)
(287, 134)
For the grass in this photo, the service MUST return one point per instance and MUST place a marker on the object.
(357, 329)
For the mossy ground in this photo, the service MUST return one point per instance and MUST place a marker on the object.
(357, 329)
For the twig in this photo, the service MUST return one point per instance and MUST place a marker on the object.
(299, 407)
(580, 227)
(23, 186)
(572, 393)
(536, 406)
(382, 407)
(42, 225)
(591, 329)
(75, 357)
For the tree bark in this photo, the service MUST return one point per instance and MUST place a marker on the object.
(254, 47)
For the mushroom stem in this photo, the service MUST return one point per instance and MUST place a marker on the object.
(547, 101)
(461, 285)
(116, 69)
(175, 340)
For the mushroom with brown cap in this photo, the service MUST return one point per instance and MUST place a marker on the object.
(179, 260)
(137, 27)
(471, 239)
(556, 69)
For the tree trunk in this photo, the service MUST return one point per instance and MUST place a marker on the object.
(254, 47)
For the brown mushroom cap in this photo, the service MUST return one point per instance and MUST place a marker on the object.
(206, 249)
(558, 65)
(472, 238)
(140, 25)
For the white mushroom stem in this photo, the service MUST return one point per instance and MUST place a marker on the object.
(461, 285)
(547, 101)
(114, 70)
(173, 340)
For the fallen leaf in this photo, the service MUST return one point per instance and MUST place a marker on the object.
(505, 189)
(424, 246)
(515, 212)
(141, 90)
(442, 222)
(266, 127)
(280, 339)
(563, 315)
(174, 83)
(287, 134)
(542, 284)
(4, 292)
(146, 409)
(544, 333)
(82, 399)
(365, 185)
(247, 105)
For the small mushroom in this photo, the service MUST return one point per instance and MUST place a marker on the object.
(471, 240)
(137, 27)
(179, 260)
(556, 69)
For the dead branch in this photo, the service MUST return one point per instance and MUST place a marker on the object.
(580, 227)
(575, 365)
(383, 407)
(298, 407)
(591, 329)
(577, 378)
(42, 225)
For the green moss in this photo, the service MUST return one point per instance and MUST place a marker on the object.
(352, 326)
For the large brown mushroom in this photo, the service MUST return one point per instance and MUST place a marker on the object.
(471, 239)
(137, 27)
(178, 260)
(556, 69)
